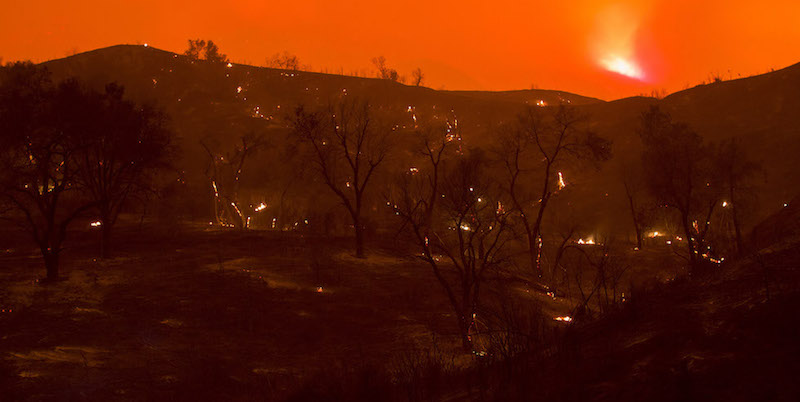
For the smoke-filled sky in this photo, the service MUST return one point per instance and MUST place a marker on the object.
(607, 49)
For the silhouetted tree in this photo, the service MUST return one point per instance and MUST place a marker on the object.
(417, 77)
(532, 150)
(129, 145)
(737, 172)
(347, 145)
(384, 72)
(285, 61)
(206, 50)
(640, 205)
(42, 126)
(458, 222)
(225, 172)
(678, 167)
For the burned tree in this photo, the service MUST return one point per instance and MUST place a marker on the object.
(200, 49)
(118, 163)
(640, 206)
(42, 127)
(224, 171)
(417, 77)
(737, 172)
(532, 150)
(678, 167)
(285, 61)
(457, 221)
(384, 71)
(347, 145)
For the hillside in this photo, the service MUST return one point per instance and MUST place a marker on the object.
(212, 100)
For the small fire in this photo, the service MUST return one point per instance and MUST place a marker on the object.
(653, 235)
(587, 241)
(565, 318)
(96, 224)
(319, 289)
(561, 183)
(541, 103)
(261, 207)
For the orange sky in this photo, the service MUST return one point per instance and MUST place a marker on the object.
(465, 44)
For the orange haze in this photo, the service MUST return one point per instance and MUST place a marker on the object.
(466, 44)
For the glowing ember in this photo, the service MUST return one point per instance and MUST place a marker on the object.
(96, 224)
(587, 241)
(261, 207)
(565, 318)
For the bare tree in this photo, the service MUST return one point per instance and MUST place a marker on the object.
(458, 222)
(347, 145)
(384, 72)
(417, 77)
(41, 130)
(285, 61)
(606, 275)
(640, 206)
(131, 143)
(532, 150)
(206, 50)
(737, 171)
(225, 173)
(679, 170)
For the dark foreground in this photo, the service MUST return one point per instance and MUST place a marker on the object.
(193, 314)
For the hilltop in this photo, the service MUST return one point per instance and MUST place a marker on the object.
(213, 100)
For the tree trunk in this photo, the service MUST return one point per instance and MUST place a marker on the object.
(466, 340)
(737, 229)
(51, 264)
(533, 246)
(636, 224)
(690, 242)
(359, 237)
(105, 235)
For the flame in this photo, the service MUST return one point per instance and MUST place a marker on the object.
(561, 183)
(96, 224)
(614, 39)
(261, 207)
(564, 318)
(622, 66)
